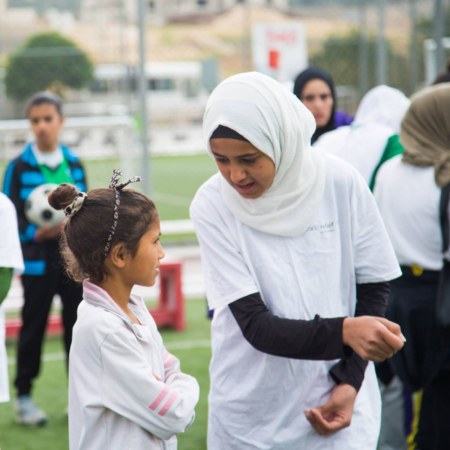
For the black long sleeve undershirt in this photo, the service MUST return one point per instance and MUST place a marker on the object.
(317, 339)
(372, 300)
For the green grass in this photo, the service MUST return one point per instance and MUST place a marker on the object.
(175, 180)
(50, 390)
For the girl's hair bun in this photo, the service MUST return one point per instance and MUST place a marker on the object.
(62, 196)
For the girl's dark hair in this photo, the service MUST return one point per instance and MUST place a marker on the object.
(85, 234)
(42, 98)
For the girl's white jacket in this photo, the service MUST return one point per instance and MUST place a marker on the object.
(115, 400)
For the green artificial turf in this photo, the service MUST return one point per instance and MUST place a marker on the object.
(175, 180)
(50, 391)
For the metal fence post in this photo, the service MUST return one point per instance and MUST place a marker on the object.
(362, 57)
(413, 50)
(146, 156)
(247, 40)
(439, 34)
(382, 68)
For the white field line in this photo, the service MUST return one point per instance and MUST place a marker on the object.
(182, 345)
(175, 200)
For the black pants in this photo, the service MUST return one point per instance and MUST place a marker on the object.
(423, 363)
(433, 433)
(38, 294)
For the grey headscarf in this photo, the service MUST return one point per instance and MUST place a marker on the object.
(425, 132)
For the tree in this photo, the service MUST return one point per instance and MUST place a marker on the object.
(46, 61)
(340, 56)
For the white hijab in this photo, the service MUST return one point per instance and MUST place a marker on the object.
(362, 144)
(278, 124)
(383, 105)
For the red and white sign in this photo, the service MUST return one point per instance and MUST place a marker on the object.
(280, 50)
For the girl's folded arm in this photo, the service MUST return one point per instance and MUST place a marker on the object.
(130, 389)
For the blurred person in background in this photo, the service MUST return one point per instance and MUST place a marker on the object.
(408, 191)
(366, 144)
(444, 76)
(42, 161)
(315, 88)
(373, 136)
(11, 263)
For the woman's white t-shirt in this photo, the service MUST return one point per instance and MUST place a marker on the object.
(408, 199)
(257, 400)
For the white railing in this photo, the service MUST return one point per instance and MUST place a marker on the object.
(98, 137)
(91, 137)
(189, 255)
(175, 227)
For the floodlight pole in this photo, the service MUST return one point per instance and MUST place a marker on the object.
(381, 78)
(413, 54)
(146, 169)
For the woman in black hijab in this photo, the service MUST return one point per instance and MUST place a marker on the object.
(315, 88)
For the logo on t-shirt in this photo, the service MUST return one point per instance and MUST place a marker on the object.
(325, 228)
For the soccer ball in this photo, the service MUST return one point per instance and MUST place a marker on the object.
(37, 209)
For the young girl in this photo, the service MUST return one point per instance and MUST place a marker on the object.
(125, 390)
(289, 238)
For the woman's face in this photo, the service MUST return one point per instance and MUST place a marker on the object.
(316, 96)
(246, 169)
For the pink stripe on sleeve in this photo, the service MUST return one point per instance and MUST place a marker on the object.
(166, 355)
(169, 361)
(169, 403)
(160, 397)
(170, 372)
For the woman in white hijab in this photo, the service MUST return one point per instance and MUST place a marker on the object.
(292, 248)
(364, 143)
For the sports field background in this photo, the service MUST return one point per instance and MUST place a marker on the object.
(175, 180)
(192, 347)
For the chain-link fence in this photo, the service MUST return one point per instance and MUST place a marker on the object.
(88, 52)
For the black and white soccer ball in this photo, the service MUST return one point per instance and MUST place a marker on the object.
(37, 209)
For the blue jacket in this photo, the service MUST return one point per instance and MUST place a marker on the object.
(21, 177)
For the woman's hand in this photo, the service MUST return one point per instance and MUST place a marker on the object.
(372, 338)
(336, 413)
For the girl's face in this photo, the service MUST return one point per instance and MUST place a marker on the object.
(143, 268)
(246, 169)
(317, 97)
